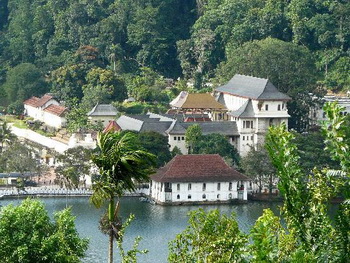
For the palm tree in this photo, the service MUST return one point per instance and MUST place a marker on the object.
(121, 163)
(5, 135)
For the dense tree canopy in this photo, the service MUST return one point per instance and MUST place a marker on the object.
(297, 44)
(29, 235)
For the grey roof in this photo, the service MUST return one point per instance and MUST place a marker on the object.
(103, 110)
(228, 128)
(160, 126)
(176, 128)
(128, 123)
(252, 87)
(245, 111)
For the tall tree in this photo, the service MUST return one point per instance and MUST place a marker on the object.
(121, 164)
(257, 165)
(6, 137)
(103, 86)
(74, 165)
(23, 81)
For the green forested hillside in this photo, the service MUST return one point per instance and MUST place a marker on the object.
(69, 44)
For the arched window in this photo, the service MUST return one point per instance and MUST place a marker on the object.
(204, 196)
(229, 196)
(218, 196)
(204, 186)
(178, 196)
(189, 196)
(230, 186)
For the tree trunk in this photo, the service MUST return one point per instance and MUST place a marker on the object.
(111, 233)
(110, 249)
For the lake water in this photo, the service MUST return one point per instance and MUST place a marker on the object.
(156, 224)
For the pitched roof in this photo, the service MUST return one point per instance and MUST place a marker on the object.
(252, 87)
(31, 101)
(103, 110)
(197, 168)
(41, 102)
(160, 127)
(228, 128)
(196, 101)
(245, 111)
(55, 109)
(129, 123)
(112, 126)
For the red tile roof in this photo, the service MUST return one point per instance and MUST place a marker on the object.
(43, 100)
(195, 119)
(197, 168)
(55, 109)
(112, 126)
(31, 101)
(38, 102)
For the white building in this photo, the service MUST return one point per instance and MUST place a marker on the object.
(254, 104)
(198, 178)
(317, 114)
(102, 113)
(46, 109)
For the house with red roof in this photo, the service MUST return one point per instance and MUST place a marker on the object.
(198, 178)
(46, 109)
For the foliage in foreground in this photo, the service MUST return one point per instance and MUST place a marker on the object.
(28, 235)
(310, 235)
(122, 163)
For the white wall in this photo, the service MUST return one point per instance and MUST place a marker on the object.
(196, 192)
(179, 142)
(53, 120)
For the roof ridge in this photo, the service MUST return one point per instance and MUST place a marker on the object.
(252, 77)
(264, 89)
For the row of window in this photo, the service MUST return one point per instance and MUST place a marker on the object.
(246, 138)
(204, 196)
(279, 107)
(179, 138)
(204, 186)
(248, 124)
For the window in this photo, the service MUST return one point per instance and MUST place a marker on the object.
(251, 137)
(189, 186)
(178, 138)
(248, 124)
(243, 138)
(218, 196)
(204, 186)
(266, 107)
(324, 115)
(219, 186)
(182, 138)
(279, 107)
(178, 187)
(189, 197)
(204, 196)
(229, 196)
(230, 186)
(178, 197)
(175, 138)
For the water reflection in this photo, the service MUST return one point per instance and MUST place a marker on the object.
(157, 225)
